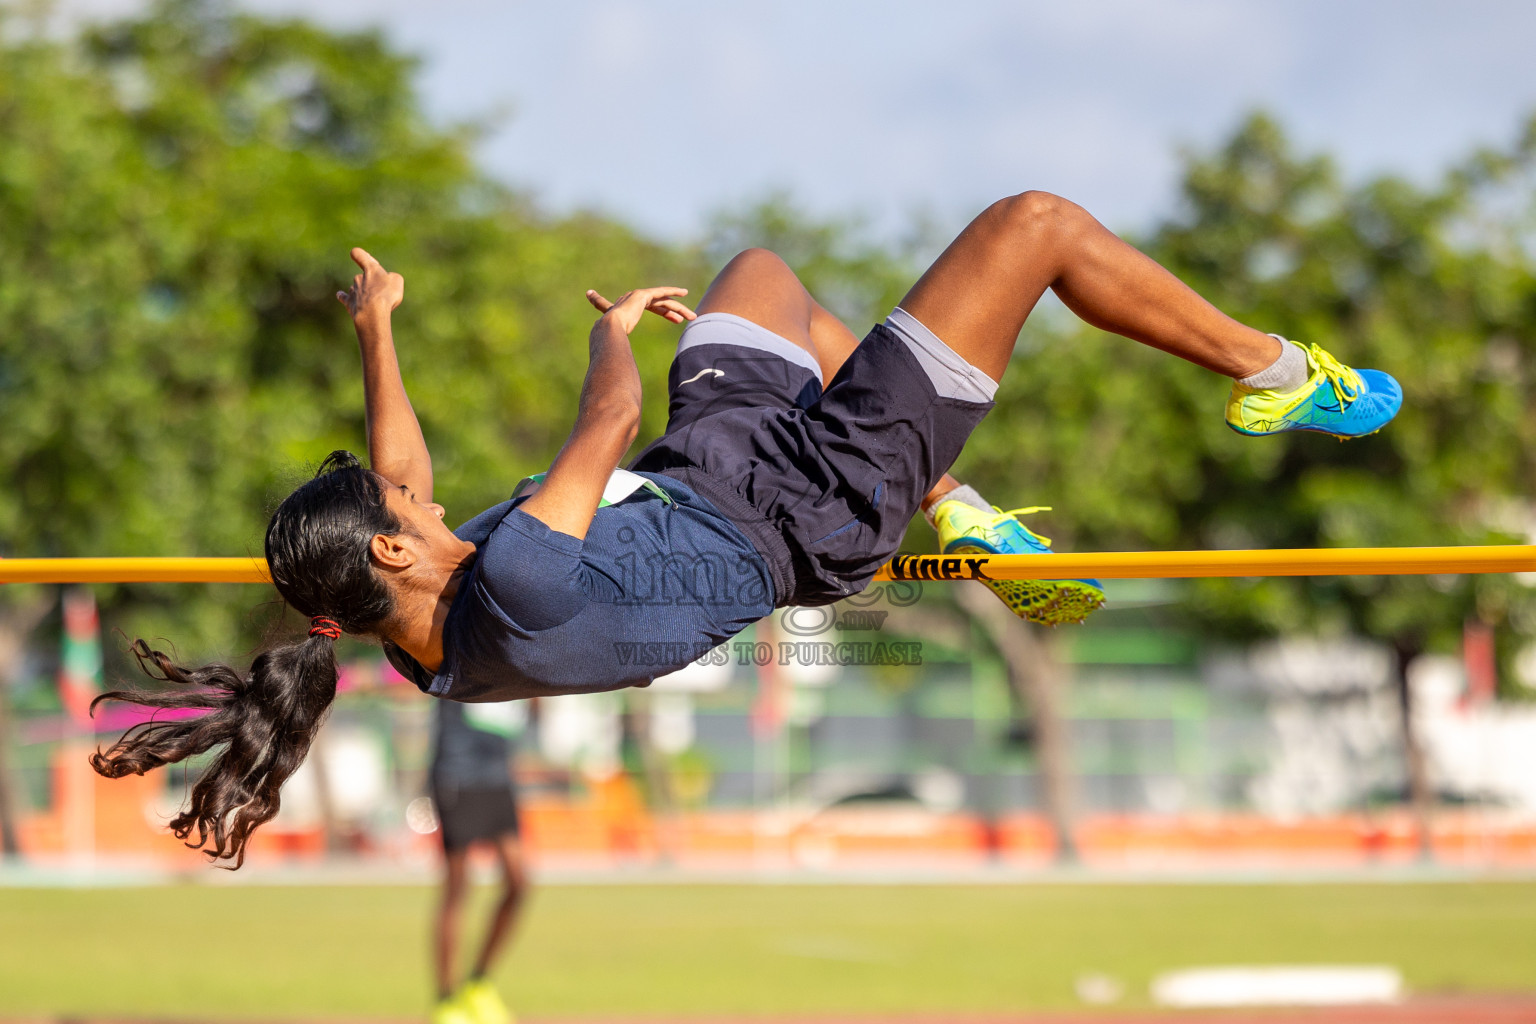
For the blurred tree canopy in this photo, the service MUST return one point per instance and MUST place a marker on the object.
(177, 197)
(178, 192)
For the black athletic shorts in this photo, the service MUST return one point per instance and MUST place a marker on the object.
(824, 483)
(469, 814)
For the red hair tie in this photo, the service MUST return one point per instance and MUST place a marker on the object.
(322, 626)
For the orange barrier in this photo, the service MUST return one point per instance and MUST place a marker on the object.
(609, 826)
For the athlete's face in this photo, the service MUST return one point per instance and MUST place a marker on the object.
(424, 539)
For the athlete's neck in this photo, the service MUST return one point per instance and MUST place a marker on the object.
(420, 613)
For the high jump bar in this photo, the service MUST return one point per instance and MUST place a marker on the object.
(1114, 565)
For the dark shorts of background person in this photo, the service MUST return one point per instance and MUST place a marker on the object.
(470, 778)
(823, 482)
(471, 814)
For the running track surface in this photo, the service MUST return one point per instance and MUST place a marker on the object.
(1419, 1011)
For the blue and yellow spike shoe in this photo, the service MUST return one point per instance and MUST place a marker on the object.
(965, 528)
(1336, 400)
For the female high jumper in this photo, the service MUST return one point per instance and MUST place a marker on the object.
(794, 458)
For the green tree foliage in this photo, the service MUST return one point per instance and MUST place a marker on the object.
(178, 191)
(177, 196)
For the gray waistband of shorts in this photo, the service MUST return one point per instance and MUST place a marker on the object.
(730, 329)
(952, 376)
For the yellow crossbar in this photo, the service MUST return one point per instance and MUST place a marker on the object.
(1136, 565)
(133, 570)
(1102, 565)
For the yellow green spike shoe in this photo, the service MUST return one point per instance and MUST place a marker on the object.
(452, 1011)
(483, 1002)
(964, 527)
(1336, 399)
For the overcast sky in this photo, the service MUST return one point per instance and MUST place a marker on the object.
(663, 111)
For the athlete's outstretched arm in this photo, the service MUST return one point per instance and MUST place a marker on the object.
(608, 416)
(396, 449)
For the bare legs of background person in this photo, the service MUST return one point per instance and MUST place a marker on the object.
(503, 920)
(514, 887)
(446, 934)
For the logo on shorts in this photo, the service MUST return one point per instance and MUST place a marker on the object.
(690, 380)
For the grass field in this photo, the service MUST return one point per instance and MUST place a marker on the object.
(216, 952)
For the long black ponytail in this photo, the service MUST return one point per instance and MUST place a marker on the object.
(317, 548)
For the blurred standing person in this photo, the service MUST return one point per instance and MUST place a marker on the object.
(476, 801)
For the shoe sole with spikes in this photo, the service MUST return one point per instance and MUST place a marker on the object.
(1048, 602)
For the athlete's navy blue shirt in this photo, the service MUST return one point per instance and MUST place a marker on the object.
(653, 586)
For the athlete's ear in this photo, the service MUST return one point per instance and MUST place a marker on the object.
(392, 551)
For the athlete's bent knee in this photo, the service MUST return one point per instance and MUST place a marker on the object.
(1036, 212)
(759, 260)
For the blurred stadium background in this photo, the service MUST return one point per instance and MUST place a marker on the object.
(1145, 748)
(976, 820)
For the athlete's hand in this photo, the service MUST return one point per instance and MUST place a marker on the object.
(375, 291)
(626, 312)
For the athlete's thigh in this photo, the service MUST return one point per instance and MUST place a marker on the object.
(833, 340)
(978, 292)
(758, 286)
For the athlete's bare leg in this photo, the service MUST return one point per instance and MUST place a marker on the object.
(978, 293)
(758, 286)
(946, 484)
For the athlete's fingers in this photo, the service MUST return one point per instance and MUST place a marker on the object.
(674, 304)
(672, 310)
(363, 258)
(633, 301)
(646, 296)
(655, 299)
(633, 304)
(662, 292)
